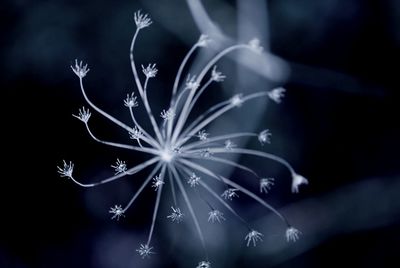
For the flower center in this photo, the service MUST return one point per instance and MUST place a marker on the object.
(167, 155)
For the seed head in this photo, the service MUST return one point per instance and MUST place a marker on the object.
(79, 69)
(141, 20)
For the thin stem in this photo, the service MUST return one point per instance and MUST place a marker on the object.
(175, 87)
(237, 186)
(142, 90)
(133, 65)
(225, 204)
(159, 191)
(198, 119)
(100, 111)
(218, 138)
(220, 112)
(148, 138)
(199, 94)
(172, 186)
(180, 70)
(186, 198)
(227, 162)
(252, 152)
(185, 111)
(188, 108)
(144, 184)
(124, 146)
(130, 171)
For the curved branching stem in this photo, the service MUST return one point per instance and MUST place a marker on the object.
(254, 153)
(172, 186)
(217, 138)
(130, 171)
(100, 111)
(218, 113)
(189, 205)
(144, 184)
(157, 203)
(227, 162)
(213, 193)
(141, 90)
(201, 91)
(180, 70)
(133, 65)
(123, 146)
(237, 186)
(185, 111)
(217, 57)
(147, 137)
(201, 117)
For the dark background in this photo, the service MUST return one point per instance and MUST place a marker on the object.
(338, 125)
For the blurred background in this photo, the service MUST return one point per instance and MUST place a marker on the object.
(338, 125)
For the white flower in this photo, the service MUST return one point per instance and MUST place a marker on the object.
(297, 180)
(253, 236)
(157, 182)
(277, 94)
(206, 153)
(264, 136)
(237, 100)
(136, 134)
(204, 264)
(130, 101)
(79, 69)
(145, 251)
(66, 170)
(217, 76)
(215, 216)
(204, 41)
(117, 211)
(84, 115)
(119, 167)
(191, 82)
(176, 215)
(150, 71)
(255, 45)
(266, 184)
(168, 115)
(141, 20)
(292, 234)
(202, 135)
(229, 145)
(193, 180)
(230, 193)
(176, 148)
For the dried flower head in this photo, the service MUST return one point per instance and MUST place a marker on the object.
(117, 211)
(130, 101)
(292, 234)
(145, 251)
(141, 20)
(176, 215)
(264, 136)
(79, 69)
(150, 71)
(266, 184)
(277, 94)
(66, 170)
(119, 167)
(215, 216)
(179, 148)
(253, 237)
(230, 193)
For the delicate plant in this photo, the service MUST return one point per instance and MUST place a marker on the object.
(175, 144)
